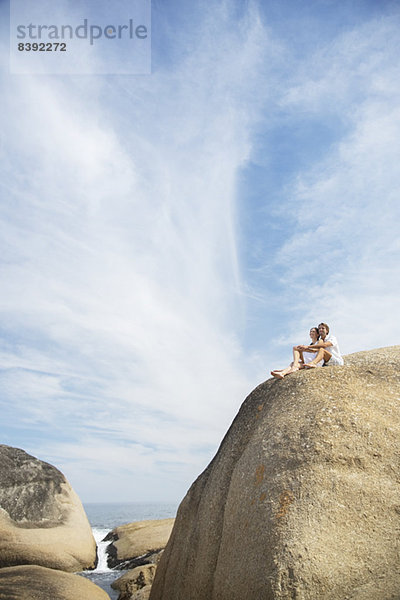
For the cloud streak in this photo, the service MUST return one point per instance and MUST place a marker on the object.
(119, 266)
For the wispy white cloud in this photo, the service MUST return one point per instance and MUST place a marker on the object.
(119, 267)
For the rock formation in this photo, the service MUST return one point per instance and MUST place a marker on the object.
(137, 543)
(42, 521)
(30, 582)
(302, 500)
(136, 583)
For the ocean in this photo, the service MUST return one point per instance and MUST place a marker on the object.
(103, 518)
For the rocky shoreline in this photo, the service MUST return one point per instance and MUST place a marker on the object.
(46, 539)
(301, 501)
(45, 536)
(137, 547)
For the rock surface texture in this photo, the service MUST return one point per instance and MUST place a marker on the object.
(42, 521)
(137, 543)
(30, 582)
(302, 500)
(136, 583)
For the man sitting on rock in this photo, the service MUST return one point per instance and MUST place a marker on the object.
(328, 349)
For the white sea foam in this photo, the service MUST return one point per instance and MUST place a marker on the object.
(99, 535)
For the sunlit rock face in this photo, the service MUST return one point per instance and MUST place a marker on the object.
(30, 582)
(138, 543)
(136, 583)
(302, 500)
(42, 521)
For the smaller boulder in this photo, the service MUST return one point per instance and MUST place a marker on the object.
(42, 520)
(136, 543)
(134, 581)
(30, 582)
(143, 594)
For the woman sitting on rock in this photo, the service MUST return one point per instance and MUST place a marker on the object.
(301, 357)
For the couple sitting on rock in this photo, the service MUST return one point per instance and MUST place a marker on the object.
(323, 349)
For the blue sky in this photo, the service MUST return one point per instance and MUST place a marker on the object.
(165, 239)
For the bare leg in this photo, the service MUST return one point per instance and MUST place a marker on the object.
(280, 374)
(298, 360)
(322, 354)
(294, 366)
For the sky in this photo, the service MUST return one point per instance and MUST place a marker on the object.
(165, 239)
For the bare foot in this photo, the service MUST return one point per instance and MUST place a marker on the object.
(277, 374)
(294, 369)
(310, 366)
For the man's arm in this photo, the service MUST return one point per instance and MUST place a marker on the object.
(324, 344)
(315, 347)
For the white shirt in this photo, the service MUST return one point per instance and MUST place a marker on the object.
(334, 350)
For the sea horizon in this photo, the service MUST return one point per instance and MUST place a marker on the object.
(107, 515)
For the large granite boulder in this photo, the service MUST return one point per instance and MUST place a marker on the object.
(302, 500)
(42, 521)
(138, 543)
(30, 582)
